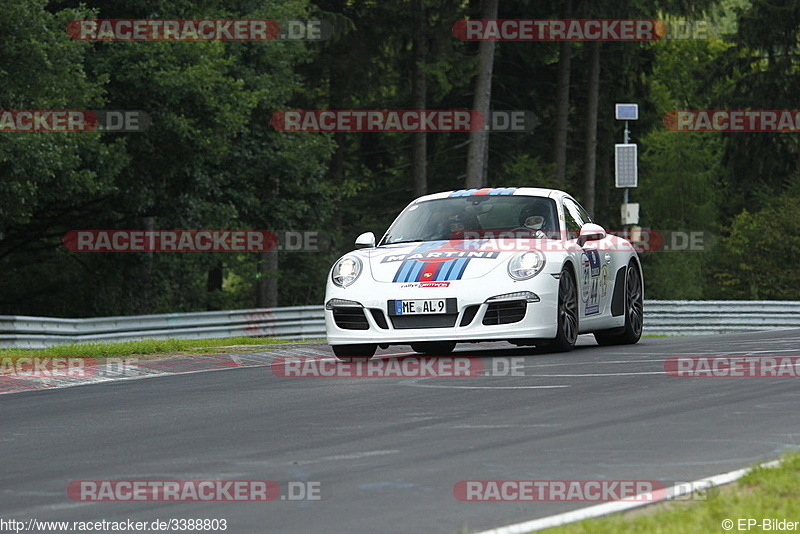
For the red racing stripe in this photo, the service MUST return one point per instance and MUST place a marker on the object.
(429, 271)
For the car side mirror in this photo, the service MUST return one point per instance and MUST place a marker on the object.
(591, 232)
(365, 240)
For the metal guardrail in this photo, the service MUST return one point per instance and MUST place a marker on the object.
(688, 317)
(294, 322)
(662, 317)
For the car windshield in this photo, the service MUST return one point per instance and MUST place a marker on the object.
(474, 217)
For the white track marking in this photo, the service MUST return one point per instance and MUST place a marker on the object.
(582, 375)
(484, 387)
(613, 507)
(357, 455)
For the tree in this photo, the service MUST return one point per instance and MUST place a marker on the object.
(762, 72)
(419, 100)
(759, 259)
(593, 98)
(209, 159)
(477, 156)
(562, 106)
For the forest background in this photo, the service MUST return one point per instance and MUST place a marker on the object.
(211, 159)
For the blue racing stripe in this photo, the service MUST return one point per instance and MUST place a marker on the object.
(414, 272)
(458, 271)
(402, 274)
(402, 271)
(444, 272)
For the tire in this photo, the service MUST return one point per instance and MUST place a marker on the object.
(434, 348)
(354, 352)
(634, 312)
(567, 317)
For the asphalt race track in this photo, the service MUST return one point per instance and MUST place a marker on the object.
(387, 452)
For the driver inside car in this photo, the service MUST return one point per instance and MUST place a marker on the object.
(530, 218)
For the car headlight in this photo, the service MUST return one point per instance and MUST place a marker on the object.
(526, 265)
(346, 271)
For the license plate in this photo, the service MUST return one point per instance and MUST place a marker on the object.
(419, 307)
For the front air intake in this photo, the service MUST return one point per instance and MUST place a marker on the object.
(505, 312)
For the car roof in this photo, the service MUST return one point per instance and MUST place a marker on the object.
(496, 191)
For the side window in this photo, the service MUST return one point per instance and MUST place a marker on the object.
(574, 217)
(583, 213)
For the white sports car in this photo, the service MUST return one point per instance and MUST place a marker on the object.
(517, 264)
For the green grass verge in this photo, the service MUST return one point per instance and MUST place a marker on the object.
(763, 493)
(148, 346)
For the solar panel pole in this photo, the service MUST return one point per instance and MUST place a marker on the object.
(626, 165)
(626, 140)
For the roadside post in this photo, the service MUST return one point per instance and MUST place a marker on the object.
(626, 170)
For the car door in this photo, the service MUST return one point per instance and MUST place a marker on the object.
(594, 267)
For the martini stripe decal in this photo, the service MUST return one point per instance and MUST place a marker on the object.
(402, 272)
(430, 261)
(444, 272)
(459, 268)
(415, 271)
(502, 191)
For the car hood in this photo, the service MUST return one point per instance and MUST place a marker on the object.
(436, 261)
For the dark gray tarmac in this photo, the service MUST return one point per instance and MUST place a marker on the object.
(388, 451)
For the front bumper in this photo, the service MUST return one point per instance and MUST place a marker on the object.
(364, 317)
